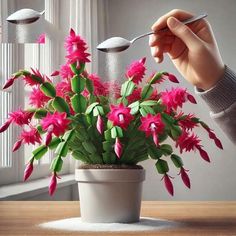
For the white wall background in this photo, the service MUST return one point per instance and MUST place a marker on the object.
(214, 181)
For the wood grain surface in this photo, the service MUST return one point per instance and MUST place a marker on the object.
(197, 218)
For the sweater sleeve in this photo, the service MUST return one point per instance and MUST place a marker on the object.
(221, 100)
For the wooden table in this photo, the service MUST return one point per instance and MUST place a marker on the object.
(197, 218)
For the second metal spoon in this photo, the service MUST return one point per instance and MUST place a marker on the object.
(118, 44)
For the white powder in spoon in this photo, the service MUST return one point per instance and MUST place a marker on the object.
(114, 44)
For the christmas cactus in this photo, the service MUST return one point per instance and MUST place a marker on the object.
(77, 116)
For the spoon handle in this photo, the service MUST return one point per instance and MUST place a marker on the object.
(188, 21)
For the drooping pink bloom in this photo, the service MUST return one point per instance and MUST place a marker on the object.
(55, 123)
(120, 115)
(30, 78)
(175, 98)
(17, 145)
(30, 136)
(53, 183)
(28, 170)
(99, 87)
(76, 49)
(100, 124)
(41, 39)
(190, 142)
(135, 95)
(185, 177)
(155, 95)
(168, 184)
(152, 125)
(63, 88)
(20, 117)
(118, 148)
(136, 71)
(37, 98)
(66, 72)
(171, 77)
(186, 121)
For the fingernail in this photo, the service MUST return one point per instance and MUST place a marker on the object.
(172, 22)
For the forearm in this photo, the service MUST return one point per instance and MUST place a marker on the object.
(221, 100)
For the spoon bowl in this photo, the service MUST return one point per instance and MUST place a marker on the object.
(119, 44)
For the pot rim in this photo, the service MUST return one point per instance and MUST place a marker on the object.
(110, 175)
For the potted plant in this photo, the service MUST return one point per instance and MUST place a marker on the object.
(77, 116)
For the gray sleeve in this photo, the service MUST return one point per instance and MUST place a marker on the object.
(221, 100)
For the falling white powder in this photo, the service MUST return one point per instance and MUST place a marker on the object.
(145, 224)
(113, 72)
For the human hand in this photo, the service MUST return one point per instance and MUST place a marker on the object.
(192, 49)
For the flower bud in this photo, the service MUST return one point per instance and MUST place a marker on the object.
(118, 148)
(185, 177)
(53, 184)
(168, 184)
(55, 73)
(9, 83)
(155, 138)
(191, 98)
(100, 124)
(48, 138)
(203, 154)
(17, 145)
(28, 170)
(5, 126)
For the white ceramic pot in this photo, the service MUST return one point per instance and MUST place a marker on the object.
(110, 195)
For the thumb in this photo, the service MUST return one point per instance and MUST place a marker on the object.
(183, 32)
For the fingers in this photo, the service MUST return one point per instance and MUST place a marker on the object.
(162, 21)
(183, 32)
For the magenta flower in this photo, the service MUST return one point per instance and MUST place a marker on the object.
(30, 81)
(63, 88)
(66, 72)
(5, 126)
(135, 95)
(118, 148)
(100, 124)
(168, 184)
(53, 183)
(152, 125)
(41, 39)
(76, 49)
(99, 87)
(55, 123)
(20, 117)
(28, 170)
(112, 89)
(185, 177)
(37, 98)
(136, 71)
(120, 115)
(186, 121)
(190, 142)
(175, 98)
(9, 83)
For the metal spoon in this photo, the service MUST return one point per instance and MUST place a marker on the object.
(24, 16)
(118, 44)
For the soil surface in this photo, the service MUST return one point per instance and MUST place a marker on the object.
(99, 166)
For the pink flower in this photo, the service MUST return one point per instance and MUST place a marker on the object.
(66, 72)
(100, 124)
(175, 98)
(118, 147)
(55, 73)
(63, 88)
(31, 81)
(186, 121)
(185, 177)
(152, 125)
(187, 142)
(120, 115)
(28, 170)
(56, 123)
(20, 117)
(41, 38)
(112, 89)
(168, 184)
(76, 48)
(31, 136)
(136, 71)
(99, 87)
(37, 98)
(135, 95)
(53, 183)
